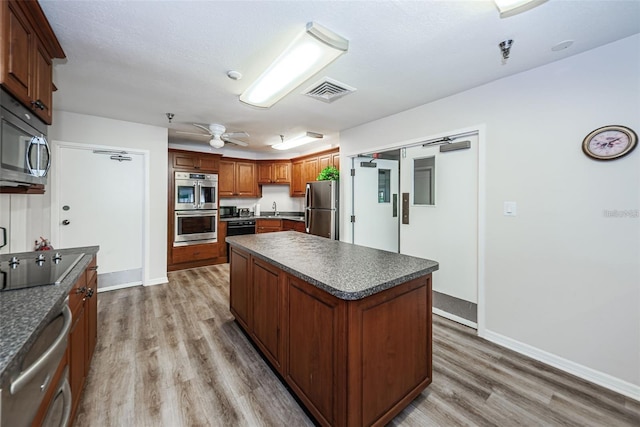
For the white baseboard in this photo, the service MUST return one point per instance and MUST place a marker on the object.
(121, 286)
(157, 281)
(455, 318)
(605, 380)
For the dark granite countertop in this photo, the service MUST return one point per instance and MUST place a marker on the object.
(25, 312)
(347, 271)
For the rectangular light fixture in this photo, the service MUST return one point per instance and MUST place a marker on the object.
(509, 8)
(309, 53)
(298, 141)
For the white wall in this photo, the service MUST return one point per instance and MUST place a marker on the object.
(26, 218)
(562, 280)
(84, 129)
(270, 194)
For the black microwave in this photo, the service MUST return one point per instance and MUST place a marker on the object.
(228, 211)
(24, 152)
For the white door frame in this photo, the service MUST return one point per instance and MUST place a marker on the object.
(55, 202)
(482, 195)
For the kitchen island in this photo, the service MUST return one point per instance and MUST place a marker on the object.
(348, 328)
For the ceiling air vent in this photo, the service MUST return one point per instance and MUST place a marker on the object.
(328, 90)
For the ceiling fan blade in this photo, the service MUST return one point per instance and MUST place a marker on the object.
(204, 128)
(236, 134)
(193, 133)
(236, 141)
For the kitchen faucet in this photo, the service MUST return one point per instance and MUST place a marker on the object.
(275, 208)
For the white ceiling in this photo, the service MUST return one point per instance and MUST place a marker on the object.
(137, 60)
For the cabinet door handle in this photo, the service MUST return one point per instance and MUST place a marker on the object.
(81, 290)
(38, 104)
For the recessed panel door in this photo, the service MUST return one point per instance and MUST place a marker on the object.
(375, 201)
(443, 214)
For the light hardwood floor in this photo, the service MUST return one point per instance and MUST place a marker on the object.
(171, 355)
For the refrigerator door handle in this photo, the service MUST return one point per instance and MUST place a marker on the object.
(307, 207)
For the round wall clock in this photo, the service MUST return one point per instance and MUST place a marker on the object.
(609, 142)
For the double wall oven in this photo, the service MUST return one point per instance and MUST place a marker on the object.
(196, 208)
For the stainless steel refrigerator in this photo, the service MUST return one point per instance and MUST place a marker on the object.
(321, 209)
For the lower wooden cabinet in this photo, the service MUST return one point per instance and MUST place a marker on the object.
(268, 225)
(239, 290)
(191, 256)
(81, 344)
(83, 303)
(266, 309)
(288, 225)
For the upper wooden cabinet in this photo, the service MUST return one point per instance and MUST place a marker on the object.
(307, 168)
(237, 178)
(274, 172)
(27, 47)
(189, 160)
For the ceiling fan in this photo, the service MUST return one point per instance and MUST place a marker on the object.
(219, 135)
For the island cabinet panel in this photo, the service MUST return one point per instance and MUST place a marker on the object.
(316, 351)
(381, 376)
(351, 362)
(266, 298)
(239, 291)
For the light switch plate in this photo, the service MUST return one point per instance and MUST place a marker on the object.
(510, 209)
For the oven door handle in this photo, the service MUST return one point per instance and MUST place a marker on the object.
(28, 374)
(195, 213)
(66, 394)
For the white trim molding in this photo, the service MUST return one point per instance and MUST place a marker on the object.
(455, 318)
(605, 380)
(156, 281)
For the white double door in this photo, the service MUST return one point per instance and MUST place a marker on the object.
(445, 230)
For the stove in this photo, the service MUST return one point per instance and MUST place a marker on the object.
(37, 269)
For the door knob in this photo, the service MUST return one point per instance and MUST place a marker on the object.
(66, 222)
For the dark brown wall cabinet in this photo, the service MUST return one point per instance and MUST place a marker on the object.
(237, 178)
(27, 47)
(307, 168)
(274, 172)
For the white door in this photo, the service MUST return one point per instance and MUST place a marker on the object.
(100, 202)
(443, 215)
(375, 189)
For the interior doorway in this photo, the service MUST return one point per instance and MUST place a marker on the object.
(440, 178)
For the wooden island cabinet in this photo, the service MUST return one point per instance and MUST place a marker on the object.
(355, 353)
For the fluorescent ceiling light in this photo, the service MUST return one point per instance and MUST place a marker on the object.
(298, 141)
(309, 53)
(509, 8)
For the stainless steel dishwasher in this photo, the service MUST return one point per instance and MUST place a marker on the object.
(22, 395)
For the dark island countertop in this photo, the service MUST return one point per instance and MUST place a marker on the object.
(25, 312)
(347, 271)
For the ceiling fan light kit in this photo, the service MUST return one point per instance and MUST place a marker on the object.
(509, 8)
(298, 141)
(310, 52)
(219, 135)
